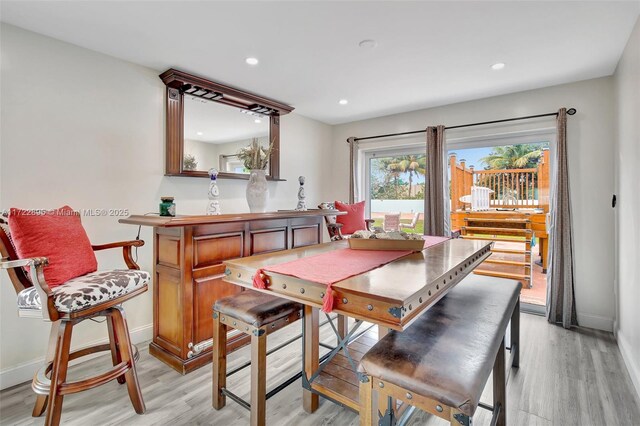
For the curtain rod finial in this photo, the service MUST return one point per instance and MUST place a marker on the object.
(571, 111)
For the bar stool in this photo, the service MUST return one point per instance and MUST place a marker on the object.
(257, 315)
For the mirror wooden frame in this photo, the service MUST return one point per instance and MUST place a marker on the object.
(178, 83)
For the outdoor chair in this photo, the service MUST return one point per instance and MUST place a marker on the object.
(414, 222)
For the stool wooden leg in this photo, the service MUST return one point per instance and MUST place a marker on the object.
(126, 352)
(258, 379)
(219, 362)
(366, 404)
(116, 358)
(500, 386)
(59, 372)
(311, 354)
(41, 400)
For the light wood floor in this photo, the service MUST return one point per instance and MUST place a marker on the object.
(565, 378)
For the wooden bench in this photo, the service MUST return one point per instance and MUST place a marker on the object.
(257, 315)
(441, 363)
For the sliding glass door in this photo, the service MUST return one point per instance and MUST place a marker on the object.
(394, 188)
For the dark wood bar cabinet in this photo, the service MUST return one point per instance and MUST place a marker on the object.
(188, 272)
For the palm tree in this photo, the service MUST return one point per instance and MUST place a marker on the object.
(413, 165)
(523, 156)
(394, 168)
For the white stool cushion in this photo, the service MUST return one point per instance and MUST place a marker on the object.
(88, 290)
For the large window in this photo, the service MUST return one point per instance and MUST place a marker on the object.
(395, 189)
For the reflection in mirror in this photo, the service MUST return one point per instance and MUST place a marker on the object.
(214, 132)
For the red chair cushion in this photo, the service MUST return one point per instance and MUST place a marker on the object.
(57, 235)
(354, 219)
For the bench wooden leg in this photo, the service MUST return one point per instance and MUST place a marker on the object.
(258, 379)
(500, 386)
(311, 354)
(59, 372)
(219, 362)
(515, 336)
(126, 353)
(366, 403)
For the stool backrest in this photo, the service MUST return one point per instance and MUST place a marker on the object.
(19, 277)
(327, 205)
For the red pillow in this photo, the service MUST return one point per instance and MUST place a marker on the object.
(354, 219)
(57, 235)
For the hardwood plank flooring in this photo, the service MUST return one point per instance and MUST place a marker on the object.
(565, 378)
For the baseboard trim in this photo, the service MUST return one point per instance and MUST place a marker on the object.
(22, 373)
(632, 366)
(596, 322)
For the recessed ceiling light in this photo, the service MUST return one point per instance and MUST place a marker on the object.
(343, 101)
(252, 61)
(199, 133)
(368, 44)
(497, 66)
(257, 121)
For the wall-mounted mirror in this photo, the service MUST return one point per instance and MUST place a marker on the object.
(208, 123)
(214, 133)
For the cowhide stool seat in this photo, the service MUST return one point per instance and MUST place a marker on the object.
(257, 315)
(441, 363)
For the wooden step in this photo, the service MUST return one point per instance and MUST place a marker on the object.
(498, 240)
(497, 231)
(508, 275)
(507, 262)
(510, 251)
(480, 219)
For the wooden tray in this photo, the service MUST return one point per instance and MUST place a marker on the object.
(375, 244)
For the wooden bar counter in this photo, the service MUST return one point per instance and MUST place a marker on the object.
(188, 272)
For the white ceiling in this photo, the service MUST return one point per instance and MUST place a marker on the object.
(428, 53)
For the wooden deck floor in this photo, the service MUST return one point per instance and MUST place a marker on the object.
(566, 378)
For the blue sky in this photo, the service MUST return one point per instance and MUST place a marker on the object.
(472, 155)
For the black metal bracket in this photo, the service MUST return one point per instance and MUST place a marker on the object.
(397, 311)
(389, 417)
(464, 420)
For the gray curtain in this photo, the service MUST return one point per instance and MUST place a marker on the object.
(353, 169)
(435, 183)
(560, 284)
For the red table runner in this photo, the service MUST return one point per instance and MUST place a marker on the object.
(334, 266)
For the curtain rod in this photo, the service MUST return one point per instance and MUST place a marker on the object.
(570, 111)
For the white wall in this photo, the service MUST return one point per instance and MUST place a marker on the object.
(591, 158)
(627, 89)
(86, 129)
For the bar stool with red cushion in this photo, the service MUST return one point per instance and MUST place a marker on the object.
(341, 227)
(94, 294)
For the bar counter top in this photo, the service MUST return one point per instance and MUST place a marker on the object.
(190, 220)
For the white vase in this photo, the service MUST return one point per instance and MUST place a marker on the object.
(257, 191)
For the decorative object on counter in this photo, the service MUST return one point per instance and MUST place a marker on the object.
(167, 206)
(189, 162)
(394, 240)
(213, 208)
(302, 204)
(255, 158)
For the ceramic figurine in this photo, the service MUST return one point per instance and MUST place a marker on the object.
(213, 208)
(302, 205)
